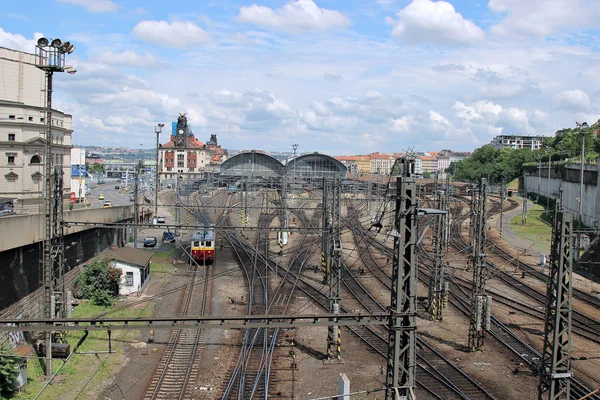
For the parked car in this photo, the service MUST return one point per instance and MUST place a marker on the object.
(160, 220)
(100, 197)
(107, 204)
(117, 187)
(150, 241)
(168, 236)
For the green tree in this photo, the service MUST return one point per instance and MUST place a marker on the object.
(9, 371)
(99, 282)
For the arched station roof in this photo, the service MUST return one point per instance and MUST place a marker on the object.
(252, 163)
(315, 165)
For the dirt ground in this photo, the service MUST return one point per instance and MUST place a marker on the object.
(305, 347)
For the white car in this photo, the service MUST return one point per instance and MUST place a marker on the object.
(160, 220)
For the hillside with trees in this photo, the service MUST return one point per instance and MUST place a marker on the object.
(506, 164)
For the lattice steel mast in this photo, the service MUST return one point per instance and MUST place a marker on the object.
(50, 59)
(334, 349)
(555, 369)
(436, 290)
(480, 303)
(401, 362)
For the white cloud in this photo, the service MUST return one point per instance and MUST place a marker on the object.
(482, 110)
(573, 100)
(438, 118)
(176, 34)
(425, 21)
(297, 16)
(402, 124)
(94, 5)
(543, 17)
(127, 58)
(18, 42)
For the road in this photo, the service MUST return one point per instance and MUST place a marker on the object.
(110, 194)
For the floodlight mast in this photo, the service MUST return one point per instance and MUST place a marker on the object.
(51, 58)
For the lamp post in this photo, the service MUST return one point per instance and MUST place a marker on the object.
(294, 146)
(582, 131)
(157, 130)
(50, 59)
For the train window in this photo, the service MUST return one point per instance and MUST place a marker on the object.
(196, 244)
(208, 243)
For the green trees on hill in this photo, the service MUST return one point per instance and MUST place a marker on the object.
(507, 164)
(496, 165)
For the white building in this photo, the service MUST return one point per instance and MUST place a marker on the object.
(518, 142)
(134, 265)
(418, 166)
(381, 163)
(23, 132)
(77, 175)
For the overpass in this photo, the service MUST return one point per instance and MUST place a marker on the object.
(21, 250)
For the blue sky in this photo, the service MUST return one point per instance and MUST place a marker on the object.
(337, 76)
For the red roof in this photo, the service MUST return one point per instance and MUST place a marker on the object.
(192, 142)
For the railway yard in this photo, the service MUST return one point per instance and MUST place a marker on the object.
(255, 274)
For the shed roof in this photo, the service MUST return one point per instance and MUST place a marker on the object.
(128, 255)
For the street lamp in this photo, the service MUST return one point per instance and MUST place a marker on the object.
(582, 132)
(157, 130)
(50, 59)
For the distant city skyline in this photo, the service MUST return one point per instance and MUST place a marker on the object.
(343, 76)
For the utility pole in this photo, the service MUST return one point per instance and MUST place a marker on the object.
(294, 146)
(480, 303)
(502, 194)
(436, 280)
(157, 130)
(135, 210)
(325, 225)
(549, 177)
(401, 359)
(177, 203)
(334, 344)
(582, 131)
(555, 369)
(524, 215)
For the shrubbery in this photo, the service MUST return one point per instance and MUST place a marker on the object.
(9, 370)
(99, 282)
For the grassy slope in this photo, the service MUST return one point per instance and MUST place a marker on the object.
(84, 373)
(536, 230)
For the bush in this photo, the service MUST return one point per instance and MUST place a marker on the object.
(99, 282)
(9, 371)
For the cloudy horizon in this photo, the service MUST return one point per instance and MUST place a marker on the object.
(340, 77)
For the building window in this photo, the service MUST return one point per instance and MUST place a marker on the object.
(180, 157)
(11, 159)
(35, 160)
(11, 137)
(11, 117)
(180, 164)
(169, 169)
(192, 169)
(129, 278)
(31, 118)
(42, 120)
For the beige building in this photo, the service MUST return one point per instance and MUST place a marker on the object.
(23, 132)
(381, 163)
(185, 156)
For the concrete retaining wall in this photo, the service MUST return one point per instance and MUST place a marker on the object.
(550, 189)
(21, 268)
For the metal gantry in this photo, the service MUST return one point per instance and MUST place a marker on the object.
(555, 368)
(480, 302)
(401, 360)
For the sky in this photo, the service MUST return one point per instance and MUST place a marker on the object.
(334, 76)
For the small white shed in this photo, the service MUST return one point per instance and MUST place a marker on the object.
(135, 266)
